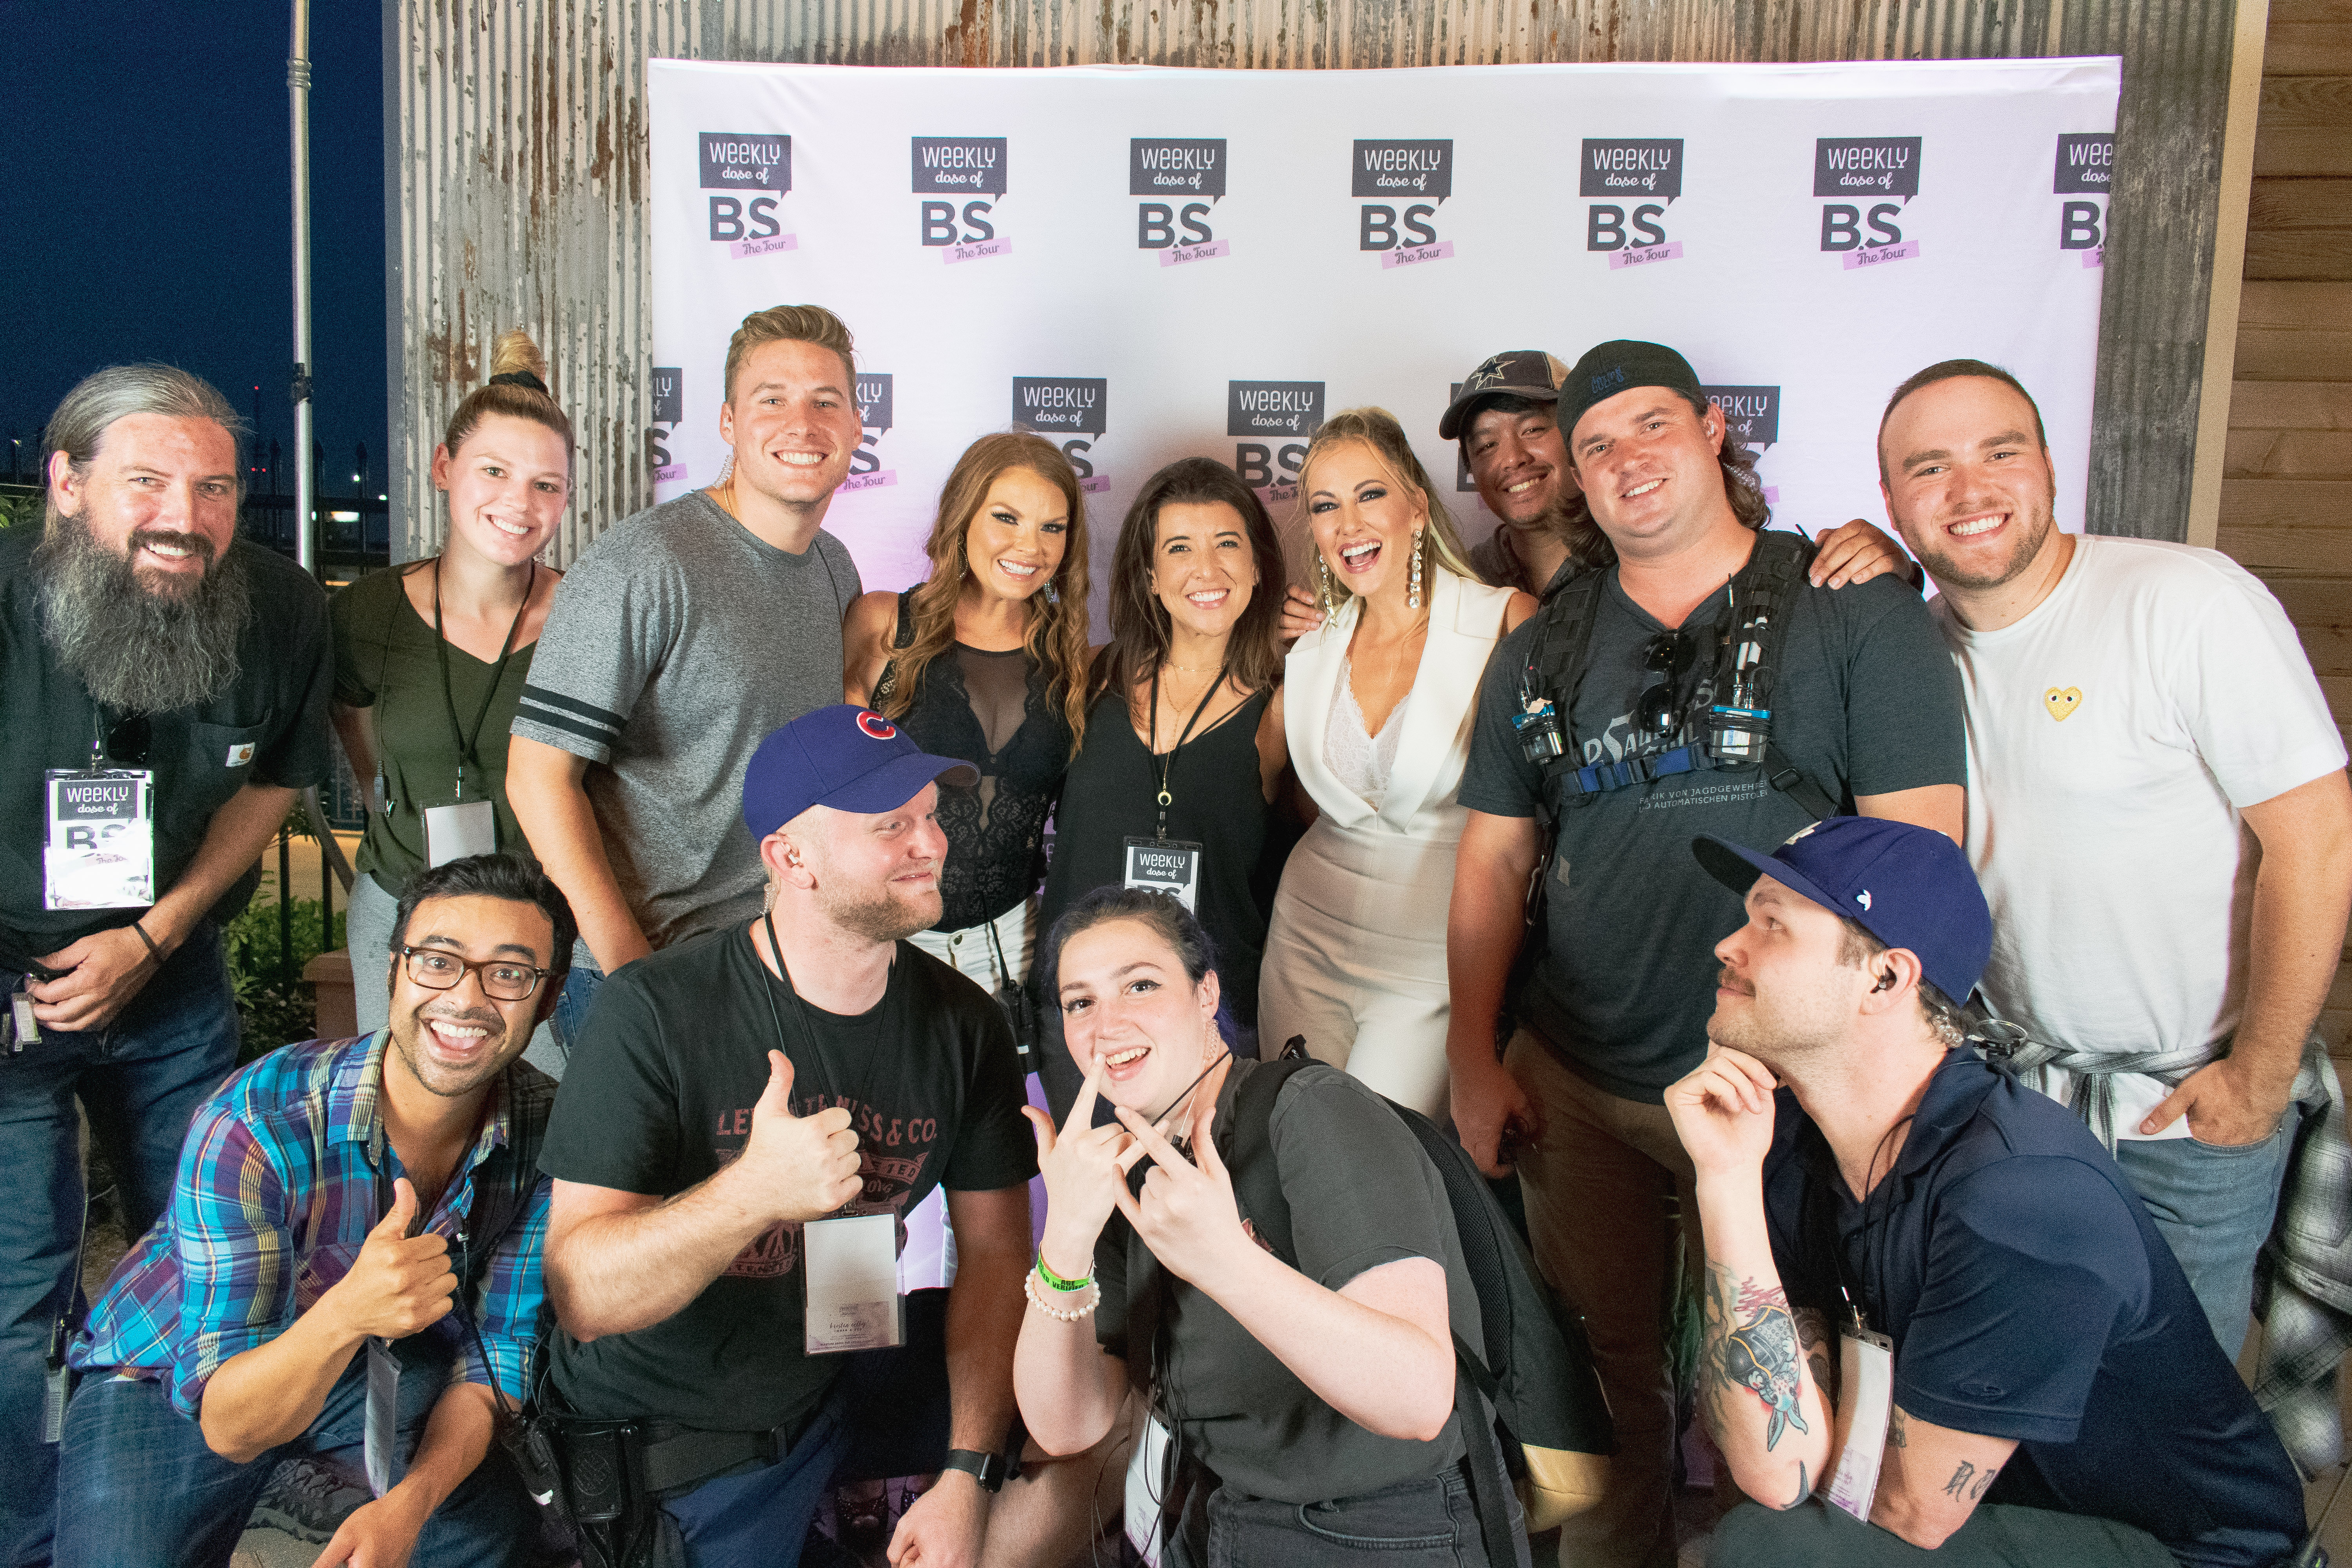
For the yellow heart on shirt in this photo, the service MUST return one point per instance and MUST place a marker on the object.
(2062, 704)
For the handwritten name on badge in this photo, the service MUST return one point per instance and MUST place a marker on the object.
(870, 481)
(955, 253)
(1177, 255)
(1635, 255)
(1407, 255)
(773, 243)
(1873, 257)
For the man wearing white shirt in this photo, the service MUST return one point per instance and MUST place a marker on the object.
(2157, 810)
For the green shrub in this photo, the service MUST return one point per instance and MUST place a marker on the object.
(268, 1014)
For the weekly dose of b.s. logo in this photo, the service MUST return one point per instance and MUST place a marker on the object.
(669, 388)
(1855, 170)
(1272, 420)
(1406, 180)
(969, 167)
(1636, 180)
(1183, 179)
(1072, 406)
(755, 170)
(2087, 167)
(1751, 418)
(874, 419)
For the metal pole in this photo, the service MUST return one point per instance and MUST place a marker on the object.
(297, 89)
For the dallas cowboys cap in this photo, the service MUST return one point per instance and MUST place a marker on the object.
(1531, 373)
(1910, 887)
(844, 756)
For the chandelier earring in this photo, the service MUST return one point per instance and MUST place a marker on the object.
(1323, 584)
(1413, 583)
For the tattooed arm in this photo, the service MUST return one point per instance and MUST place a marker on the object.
(1764, 1407)
(1933, 1478)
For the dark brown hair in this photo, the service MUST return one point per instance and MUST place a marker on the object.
(1139, 621)
(513, 354)
(1955, 370)
(1588, 546)
(1056, 638)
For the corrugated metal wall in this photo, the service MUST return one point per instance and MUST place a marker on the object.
(515, 160)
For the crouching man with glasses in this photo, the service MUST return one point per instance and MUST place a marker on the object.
(349, 1267)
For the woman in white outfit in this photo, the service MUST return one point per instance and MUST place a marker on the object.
(1378, 704)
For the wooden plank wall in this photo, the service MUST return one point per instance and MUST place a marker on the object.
(2286, 499)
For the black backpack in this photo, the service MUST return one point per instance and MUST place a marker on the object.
(1530, 1404)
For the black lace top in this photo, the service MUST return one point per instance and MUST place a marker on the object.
(998, 712)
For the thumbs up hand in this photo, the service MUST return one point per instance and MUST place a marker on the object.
(796, 1168)
(399, 1283)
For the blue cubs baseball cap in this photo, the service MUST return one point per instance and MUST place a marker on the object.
(844, 756)
(1910, 887)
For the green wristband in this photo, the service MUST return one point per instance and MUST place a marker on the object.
(1056, 1281)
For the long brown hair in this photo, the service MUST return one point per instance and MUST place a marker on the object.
(1139, 621)
(1378, 428)
(1056, 638)
(1590, 548)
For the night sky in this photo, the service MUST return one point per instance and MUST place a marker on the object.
(146, 150)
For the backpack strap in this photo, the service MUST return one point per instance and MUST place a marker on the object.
(902, 636)
(1247, 1148)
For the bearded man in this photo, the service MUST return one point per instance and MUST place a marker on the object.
(164, 699)
(745, 1123)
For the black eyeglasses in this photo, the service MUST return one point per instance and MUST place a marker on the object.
(130, 741)
(503, 980)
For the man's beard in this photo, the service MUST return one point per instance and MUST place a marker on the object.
(135, 648)
(2033, 537)
(449, 1083)
(884, 916)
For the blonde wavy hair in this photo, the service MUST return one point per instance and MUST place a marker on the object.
(1377, 429)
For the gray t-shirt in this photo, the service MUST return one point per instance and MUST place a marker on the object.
(677, 641)
(1361, 1193)
(1867, 702)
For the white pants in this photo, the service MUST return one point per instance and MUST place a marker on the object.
(970, 952)
(1355, 960)
(367, 932)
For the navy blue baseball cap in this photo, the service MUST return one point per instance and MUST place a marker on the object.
(844, 756)
(1910, 887)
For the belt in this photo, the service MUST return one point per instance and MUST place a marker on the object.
(677, 1458)
(2092, 1096)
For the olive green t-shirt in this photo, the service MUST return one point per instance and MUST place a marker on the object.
(384, 660)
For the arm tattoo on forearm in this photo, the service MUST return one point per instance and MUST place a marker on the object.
(1751, 1343)
(1968, 1482)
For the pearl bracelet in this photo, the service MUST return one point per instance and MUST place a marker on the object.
(1065, 1315)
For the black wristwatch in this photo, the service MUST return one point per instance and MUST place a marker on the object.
(988, 1469)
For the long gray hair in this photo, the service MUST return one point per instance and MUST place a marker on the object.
(118, 391)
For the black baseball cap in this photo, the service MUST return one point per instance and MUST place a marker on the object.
(1910, 887)
(1620, 367)
(1531, 373)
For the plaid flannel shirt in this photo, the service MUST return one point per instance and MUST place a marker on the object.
(277, 1193)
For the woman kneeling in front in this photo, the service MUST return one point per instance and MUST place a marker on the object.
(1311, 1407)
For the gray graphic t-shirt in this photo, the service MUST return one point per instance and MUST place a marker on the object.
(1868, 702)
(677, 641)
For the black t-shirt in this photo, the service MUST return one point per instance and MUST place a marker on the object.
(269, 727)
(1361, 1193)
(1867, 702)
(658, 1096)
(2029, 1296)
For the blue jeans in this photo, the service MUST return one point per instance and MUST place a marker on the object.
(580, 989)
(2213, 1203)
(1997, 1536)
(759, 1518)
(139, 1081)
(137, 1483)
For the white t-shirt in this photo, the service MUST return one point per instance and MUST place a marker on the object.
(2114, 735)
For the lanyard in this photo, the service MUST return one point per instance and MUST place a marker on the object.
(1821, 1202)
(808, 1025)
(1168, 763)
(466, 743)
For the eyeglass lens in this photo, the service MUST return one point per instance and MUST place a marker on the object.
(442, 970)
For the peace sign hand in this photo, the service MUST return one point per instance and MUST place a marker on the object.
(1084, 1179)
(1186, 1213)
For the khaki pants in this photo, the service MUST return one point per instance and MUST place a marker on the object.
(1607, 1188)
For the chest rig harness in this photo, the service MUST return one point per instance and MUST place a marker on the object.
(1733, 734)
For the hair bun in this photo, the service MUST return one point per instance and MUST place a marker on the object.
(515, 355)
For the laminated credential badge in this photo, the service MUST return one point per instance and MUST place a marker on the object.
(97, 849)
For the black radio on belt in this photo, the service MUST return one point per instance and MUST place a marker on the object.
(1537, 724)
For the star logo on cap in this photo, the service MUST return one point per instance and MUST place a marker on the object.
(878, 727)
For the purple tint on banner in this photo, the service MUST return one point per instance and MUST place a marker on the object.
(1281, 489)
(1095, 484)
(674, 471)
(1635, 255)
(1037, 1183)
(1177, 255)
(2096, 256)
(1771, 495)
(870, 481)
(1874, 256)
(1407, 255)
(743, 248)
(955, 253)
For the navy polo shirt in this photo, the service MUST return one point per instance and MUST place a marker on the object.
(2029, 1295)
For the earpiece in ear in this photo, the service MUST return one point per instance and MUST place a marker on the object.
(1886, 980)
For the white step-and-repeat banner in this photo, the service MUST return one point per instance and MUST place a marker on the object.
(1146, 264)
